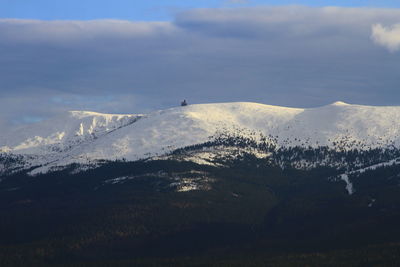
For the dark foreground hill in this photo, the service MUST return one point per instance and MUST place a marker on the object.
(245, 212)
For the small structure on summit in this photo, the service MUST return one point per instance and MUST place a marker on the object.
(184, 103)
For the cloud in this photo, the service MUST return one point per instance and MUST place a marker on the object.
(72, 32)
(293, 56)
(388, 37)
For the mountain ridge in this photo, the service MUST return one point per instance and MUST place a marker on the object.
(84, 136)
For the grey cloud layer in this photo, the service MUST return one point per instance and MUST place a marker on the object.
(295, 56)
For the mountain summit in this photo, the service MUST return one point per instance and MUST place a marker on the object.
(83, 136)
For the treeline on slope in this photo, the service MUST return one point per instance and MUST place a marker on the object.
(301, 157)
(295, 156)
(10, 163)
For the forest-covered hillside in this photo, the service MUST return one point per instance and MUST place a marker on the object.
(170, 212)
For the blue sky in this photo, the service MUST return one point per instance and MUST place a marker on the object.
(147, 10)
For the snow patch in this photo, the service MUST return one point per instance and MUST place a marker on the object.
(345, 176)
(349, 185)
(371, 203)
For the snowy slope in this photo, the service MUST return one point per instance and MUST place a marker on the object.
(62, 133)
(83, 136)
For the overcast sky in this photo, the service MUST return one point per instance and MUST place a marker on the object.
(301, 56)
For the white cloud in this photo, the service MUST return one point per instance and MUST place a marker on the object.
(388, 37)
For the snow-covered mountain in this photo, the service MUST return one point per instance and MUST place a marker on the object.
(83, 137)
(62, 133)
